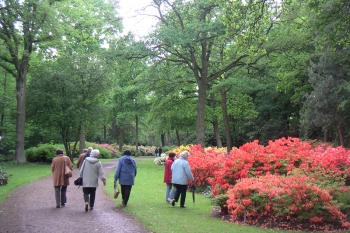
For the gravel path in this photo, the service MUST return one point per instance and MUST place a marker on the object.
(31, 208)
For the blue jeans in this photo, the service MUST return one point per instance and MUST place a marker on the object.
(170, 191)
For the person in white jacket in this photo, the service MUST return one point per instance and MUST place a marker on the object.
(181, 173)
(91, 170)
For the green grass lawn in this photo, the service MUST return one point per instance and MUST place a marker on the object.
(22, 174)
(147, 203)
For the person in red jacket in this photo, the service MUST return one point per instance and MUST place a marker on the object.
(170, 189)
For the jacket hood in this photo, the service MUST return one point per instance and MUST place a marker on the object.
(92, 160)
(128, 160)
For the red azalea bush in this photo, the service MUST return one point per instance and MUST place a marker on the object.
(288, 179)
(279, 157)
(292, 197)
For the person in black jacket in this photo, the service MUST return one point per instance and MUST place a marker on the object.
(160, 151)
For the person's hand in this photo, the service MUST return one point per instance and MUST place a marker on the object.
(104, 183)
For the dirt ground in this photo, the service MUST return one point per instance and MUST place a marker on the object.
(31, 208)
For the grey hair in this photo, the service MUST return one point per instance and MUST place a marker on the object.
(185, 154)
(95, 153)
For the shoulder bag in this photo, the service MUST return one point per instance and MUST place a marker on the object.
(67, 171)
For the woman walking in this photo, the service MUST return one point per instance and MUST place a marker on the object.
(91, 170)
(60, 180)
(169, 194)
(125, 172)
(181, 174)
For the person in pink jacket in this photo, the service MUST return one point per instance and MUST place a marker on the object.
(170, 189)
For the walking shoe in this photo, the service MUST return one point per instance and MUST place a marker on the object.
(57, 206)
(63, 205)
(86, 207)
(173, 202)
(91, 208)
(183, 206)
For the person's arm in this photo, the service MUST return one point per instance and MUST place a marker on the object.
(188, 171)
(101, 174)
(117, 171)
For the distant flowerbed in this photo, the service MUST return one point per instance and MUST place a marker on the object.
(286, 180)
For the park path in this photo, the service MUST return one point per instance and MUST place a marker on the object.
(32, 209)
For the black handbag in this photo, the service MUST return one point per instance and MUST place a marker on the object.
(79, 181)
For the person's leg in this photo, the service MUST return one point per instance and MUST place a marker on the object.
(177, 192)
(127, 194)
(63, 195)
(57, 196)
(168, 190)
(122, 190)
(92, 197)
(183, 192)
(86, 198)
(172, 192)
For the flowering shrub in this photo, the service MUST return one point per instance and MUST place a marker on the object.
(279, 157)
(288, 178)
(160, 160)
(112, 150)
(292, 197)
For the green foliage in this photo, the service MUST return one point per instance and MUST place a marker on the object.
(4, 176)
(43, 153)
(104, 152)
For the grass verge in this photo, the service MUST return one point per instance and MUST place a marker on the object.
(22, 174)
(147, 204)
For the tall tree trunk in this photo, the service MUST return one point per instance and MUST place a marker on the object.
(340, 130)
(120, 141)
(162, 139)
(202, 91)
(325, 135)
(20, 124)
(3, 106)
(104, 133)
(82, 138)
(137, 135)
(216, 132)
(178, 137)
(225, 120)
(169, 139)
(216, 124)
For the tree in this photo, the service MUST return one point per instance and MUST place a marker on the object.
(23, 25)
(190, 33)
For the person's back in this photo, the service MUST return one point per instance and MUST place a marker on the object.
(81, 158)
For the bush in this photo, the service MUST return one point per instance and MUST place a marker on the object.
(42, 153)
(106, 150)
(293, 197)
(4, 177)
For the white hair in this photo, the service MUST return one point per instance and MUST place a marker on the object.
(95, 153)
(185, 154)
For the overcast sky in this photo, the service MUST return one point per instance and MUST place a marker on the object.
(139, 25)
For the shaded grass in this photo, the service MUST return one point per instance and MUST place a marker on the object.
(22, 174)
(147, 204)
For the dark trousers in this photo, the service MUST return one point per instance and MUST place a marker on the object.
(92, 192)
(180, 190)
(125, 190)
(60, 195)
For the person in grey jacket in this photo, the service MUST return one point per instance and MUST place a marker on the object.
(125, 172)
(181, 173)
(91, 170)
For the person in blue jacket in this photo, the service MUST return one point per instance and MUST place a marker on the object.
(125, 172)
